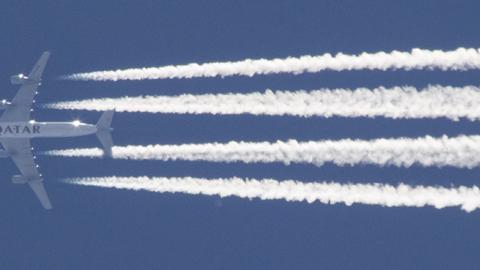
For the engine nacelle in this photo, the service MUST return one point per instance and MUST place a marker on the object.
(19, 79)
(4, 104)
(19, 179)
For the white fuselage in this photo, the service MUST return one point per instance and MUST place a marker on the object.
(34, 129)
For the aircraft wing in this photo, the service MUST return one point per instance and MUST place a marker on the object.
(20, 151)
(39, 190)
(19, 110)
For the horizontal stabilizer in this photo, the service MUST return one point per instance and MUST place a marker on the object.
(106, 140)
(103, 132)
(105, 121)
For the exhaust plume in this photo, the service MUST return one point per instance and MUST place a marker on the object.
(292, 191)
(459, 59)
(398, 102)
(462, 152)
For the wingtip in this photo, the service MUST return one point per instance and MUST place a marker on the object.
(45, 55)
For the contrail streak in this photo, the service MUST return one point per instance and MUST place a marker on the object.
(462, 151)
(398, 102)
(328, 193)
(459, 59)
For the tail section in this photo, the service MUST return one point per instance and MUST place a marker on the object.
(105, 121)
(104, 130)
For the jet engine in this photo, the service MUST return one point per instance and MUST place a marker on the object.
(19, 179)
(4, 104)
(19, 79)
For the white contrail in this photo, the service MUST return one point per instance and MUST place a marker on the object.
(459, 59)
(462, 151)
(468, 198)
(398, 102)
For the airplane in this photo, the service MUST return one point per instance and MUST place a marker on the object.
(17, 129)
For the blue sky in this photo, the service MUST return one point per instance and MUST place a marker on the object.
(92, 228)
